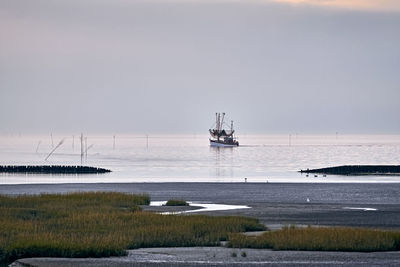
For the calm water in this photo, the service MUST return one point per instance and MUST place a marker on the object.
(188, 158)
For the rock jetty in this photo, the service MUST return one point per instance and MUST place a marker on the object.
(52, 169)
(358, 170)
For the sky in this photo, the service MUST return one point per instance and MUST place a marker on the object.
(166, 66)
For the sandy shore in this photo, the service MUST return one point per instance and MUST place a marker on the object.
(218, 256)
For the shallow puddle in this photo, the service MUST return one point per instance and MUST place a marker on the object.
(363, 209)
(203, 207)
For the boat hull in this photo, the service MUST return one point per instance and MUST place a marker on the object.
(215, 143)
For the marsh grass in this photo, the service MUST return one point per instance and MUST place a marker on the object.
(176, 202)
(321, 239)
(99, 224)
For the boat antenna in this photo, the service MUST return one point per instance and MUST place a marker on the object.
(231, 126)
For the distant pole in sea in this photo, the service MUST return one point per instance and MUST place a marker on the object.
(73, 142)
(147, 141)
(37, 148)
(290, 139)
(81, 148)
(86, 148)
(114, 142)
(54, 149)
(52, 143)
(89, 147)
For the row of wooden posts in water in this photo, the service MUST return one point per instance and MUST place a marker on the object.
(84, 145)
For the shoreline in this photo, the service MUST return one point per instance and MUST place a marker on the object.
(98, 178)
(201, 182)
(221, 256)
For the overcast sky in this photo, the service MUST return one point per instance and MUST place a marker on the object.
(125, 66)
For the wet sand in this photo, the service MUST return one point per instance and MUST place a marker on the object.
(274, 204)
(219, 256)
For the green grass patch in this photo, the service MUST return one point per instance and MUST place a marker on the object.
(176, 202)
(321, 239)
(101, 224)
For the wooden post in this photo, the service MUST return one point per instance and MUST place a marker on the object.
(86, 148)
(81, 148)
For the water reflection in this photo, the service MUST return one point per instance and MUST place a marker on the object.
(224, 161)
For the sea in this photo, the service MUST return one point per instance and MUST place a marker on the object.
(189, 158)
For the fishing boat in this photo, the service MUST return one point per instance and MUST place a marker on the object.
(221, 137)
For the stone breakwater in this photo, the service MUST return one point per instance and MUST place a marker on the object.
(52, 169)
(358, 170)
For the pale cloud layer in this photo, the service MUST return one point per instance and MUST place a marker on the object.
(157, 66)
(381, 5)
(388, 5)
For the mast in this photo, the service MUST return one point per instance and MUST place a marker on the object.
(218, 125)
(222, 121)
(216, 120)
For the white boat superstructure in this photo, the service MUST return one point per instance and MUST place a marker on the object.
(221, 137)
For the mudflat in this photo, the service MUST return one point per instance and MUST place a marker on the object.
(324, 204)
(275, 204)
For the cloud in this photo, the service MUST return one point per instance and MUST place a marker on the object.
(386, 5)
(369, 5)
(131, 66)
